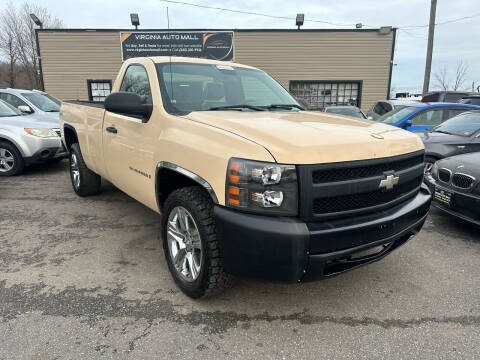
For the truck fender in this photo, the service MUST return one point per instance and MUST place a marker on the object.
(187, 173)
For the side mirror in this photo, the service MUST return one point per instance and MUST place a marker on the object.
(370, 117)
(127, 103)
(408, 123)
(25, 109)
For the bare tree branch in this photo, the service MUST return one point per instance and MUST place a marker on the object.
(462, 68)
(441, 78)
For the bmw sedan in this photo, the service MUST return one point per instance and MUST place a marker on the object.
(455, 185)
(456, 136)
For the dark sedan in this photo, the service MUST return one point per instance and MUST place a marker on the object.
(455, 185)
(456, 136)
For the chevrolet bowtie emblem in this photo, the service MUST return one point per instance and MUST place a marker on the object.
(389, 182)
(376, 136)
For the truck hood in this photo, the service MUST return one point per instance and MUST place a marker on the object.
(305, 137)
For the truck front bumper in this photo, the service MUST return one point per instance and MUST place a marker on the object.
(288, 249)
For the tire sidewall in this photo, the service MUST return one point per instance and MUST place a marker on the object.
(18, 163)
(74, 151)
(196, 288)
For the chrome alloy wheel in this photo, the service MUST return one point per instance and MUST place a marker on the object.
(6, 160)
(75, 171)
(184, 244)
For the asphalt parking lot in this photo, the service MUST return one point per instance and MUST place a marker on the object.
(86, 278)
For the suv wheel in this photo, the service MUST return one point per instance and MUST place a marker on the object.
(85, 182)
(11, 161)
(190, 243)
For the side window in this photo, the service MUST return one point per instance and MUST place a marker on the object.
(13, 100)
(430, 117)
(453, 112)
(382, 108)
(136, 81)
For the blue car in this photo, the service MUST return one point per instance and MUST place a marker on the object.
(423, 116)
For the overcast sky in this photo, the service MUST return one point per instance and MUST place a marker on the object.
(453, 42)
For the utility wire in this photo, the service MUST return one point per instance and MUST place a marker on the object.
(411, 27)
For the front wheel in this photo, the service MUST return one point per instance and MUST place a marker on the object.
(85, 182)
(11, 161)
(190, 243)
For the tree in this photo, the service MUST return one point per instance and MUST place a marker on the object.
(17, 23)
(443, 81)
(7, 43)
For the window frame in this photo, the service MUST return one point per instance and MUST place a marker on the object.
(359, 82)
(18, 97)
(89, 87)
(148, 78)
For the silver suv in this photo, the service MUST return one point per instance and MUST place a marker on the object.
(25, 140)
(42, 105)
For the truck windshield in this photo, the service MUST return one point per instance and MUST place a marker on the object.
(8, 110)
(43, 102)
(190, 87)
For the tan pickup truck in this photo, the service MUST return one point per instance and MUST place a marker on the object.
(248, 183)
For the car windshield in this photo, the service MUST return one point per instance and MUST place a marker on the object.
(396, 115)
(464, 124)
(8, 110)
(199, 87)
(355, 112)
(43, 101)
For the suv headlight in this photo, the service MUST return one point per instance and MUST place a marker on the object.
(261, 187)
(41, 132)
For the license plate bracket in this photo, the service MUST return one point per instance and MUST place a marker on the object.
(443, 196)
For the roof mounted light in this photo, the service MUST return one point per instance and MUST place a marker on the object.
(135, 20)
(300, 19)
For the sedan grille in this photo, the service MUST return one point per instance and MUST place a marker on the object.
(444, 175)
(463, 181)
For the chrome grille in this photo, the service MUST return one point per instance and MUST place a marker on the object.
(462, 181)
(444, 175)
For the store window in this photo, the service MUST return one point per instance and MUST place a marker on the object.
(319, 94)
(98, 90)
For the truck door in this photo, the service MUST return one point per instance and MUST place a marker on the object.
(128, 142)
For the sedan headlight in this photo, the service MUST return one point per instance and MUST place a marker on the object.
(41, 132)
(261, 187)
(435, 171)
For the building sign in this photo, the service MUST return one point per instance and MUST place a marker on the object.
(210, 45)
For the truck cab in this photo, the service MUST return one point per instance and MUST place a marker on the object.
(248, 183)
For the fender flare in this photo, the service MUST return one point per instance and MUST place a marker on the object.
(196, 178)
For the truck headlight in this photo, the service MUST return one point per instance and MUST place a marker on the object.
(261, 187)
(41, 132)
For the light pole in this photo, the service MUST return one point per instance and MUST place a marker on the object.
(37, 22)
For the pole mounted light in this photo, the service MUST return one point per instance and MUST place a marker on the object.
(300, 19)
(36, 20)
(135, 20)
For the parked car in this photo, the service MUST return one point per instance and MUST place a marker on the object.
(458, 135)
(444, 96)
(382, 107)
(346, 110)
(455, 185)
(422, 116)
(25, 140)
(470, 99)
(247, 185)
(42, 105)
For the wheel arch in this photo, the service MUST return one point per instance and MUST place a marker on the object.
(4, 137)
(70, 136)
(170, 177)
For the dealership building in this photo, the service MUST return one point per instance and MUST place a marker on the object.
(323, 67)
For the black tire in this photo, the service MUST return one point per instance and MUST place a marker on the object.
(212, 279)
(18, 162)
(429, 160)
(89, 182)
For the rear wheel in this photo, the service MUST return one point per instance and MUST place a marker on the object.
(85, 182)
(190, 243)
(11, 161)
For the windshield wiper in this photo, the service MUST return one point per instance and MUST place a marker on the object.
(237, 107)
(442, 132)
(284, 106)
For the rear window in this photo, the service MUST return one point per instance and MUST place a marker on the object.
(431, 97)
(471, 101)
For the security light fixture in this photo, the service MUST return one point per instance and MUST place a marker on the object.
(135, 20)
(36, 20)
(359, 25)
(300, 19)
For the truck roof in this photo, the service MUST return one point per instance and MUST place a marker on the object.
(177, 59)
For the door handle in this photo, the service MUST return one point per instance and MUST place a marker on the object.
(111, 129)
